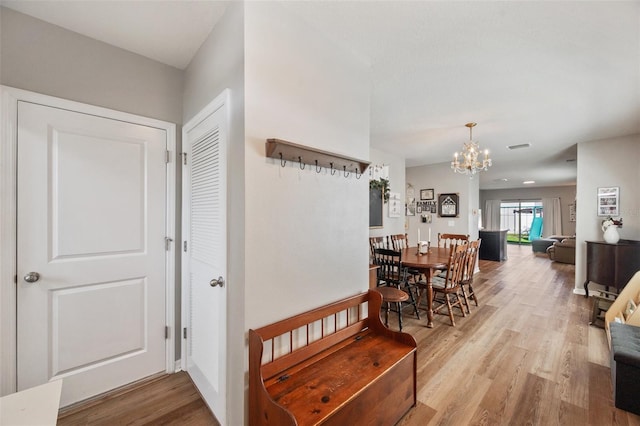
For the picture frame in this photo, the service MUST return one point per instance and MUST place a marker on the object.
(410, 207)
(395, 205)
(609, 201)
(448, 205)
(572, 212)
(426, 194)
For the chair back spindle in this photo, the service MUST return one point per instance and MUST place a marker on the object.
(450, 240)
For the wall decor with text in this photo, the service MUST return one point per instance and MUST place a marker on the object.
(448, 205)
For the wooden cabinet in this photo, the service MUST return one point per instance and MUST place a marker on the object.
(493, 245)
(612, 265)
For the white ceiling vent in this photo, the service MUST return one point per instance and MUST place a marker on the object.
(520, 146)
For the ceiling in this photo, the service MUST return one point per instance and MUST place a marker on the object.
(550, 74)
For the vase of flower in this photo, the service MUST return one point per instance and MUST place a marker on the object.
(611, 234)
(610, 228)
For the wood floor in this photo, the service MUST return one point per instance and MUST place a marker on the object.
(526, 355)
(168, 400)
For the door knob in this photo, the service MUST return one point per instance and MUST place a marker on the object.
(218, 282)
(32, 277)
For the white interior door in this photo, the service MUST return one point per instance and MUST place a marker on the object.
(91, 212)
(204, 253)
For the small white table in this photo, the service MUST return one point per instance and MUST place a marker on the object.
(35, 406)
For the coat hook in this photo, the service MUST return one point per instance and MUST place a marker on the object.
(345, 171)
(318, 169)
(333, 172)
(358, 176)
(302, 165)
(282, 161)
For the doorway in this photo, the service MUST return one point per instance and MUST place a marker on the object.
(523, 219)
(204, 252)
(88, 218)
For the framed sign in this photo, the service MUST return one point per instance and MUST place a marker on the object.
(448, 205)
(395, 205)
(572, 212)
(426, 194)
(609, 201)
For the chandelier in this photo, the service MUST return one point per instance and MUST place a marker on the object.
(469, 164)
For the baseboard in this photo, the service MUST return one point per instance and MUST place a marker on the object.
(178, 366)
(579, 291)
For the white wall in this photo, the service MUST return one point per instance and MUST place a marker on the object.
(44, 58)
(48, 59)
(611, 162)
(306, 232)
(297, 239)
(219, 64)
(390, 225)
(567, 195)
(442, 179)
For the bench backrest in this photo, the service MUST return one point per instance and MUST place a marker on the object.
(288, 342)
(631, 291)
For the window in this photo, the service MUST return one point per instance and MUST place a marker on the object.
(523, 219)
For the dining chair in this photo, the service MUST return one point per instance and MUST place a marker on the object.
(401, 242)
(448, 240)
(391, 273)
(468, 271)
(376, 243)
(450, 284)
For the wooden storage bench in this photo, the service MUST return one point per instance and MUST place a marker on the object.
(334, 365)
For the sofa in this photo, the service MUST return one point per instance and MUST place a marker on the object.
(563, 251)
(540, 245)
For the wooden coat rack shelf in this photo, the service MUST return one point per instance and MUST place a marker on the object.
(289, 151)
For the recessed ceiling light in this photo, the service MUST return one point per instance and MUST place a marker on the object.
(519, 146)
(501, 180)
(529, 182)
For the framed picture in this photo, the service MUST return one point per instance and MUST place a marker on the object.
(411, 207)
(609, 201)
(572, 212)
(426, 194)
(395, 205)
(448, 205)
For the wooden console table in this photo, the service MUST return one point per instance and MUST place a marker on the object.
(612, 265)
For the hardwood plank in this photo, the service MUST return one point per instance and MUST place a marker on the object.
(599, 349)
(172, 399)
(533, 404)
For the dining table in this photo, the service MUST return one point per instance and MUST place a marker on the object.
(436, 258)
